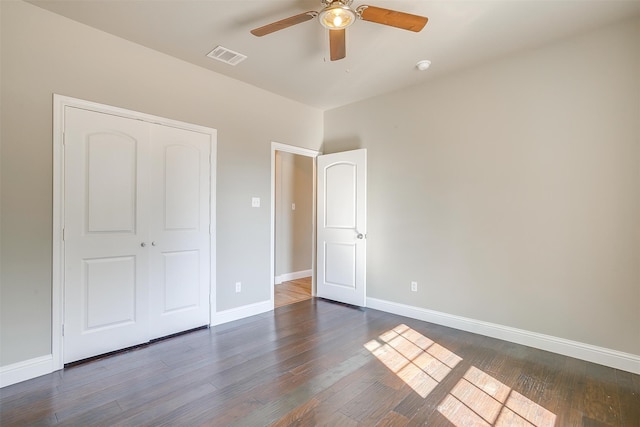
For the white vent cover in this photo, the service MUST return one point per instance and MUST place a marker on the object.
(226, 55)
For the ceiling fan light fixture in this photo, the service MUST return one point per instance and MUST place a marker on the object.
(337, 16)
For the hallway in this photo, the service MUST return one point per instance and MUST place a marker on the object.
(292, 291)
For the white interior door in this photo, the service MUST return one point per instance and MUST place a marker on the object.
(106, 295)
(179, 230)
(342, 227)
(137, 232)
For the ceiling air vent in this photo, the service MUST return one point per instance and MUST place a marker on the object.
(226, 55)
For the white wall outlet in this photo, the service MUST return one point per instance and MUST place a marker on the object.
(293, 206)
(255, 202)
(414, 286)
(238, 287)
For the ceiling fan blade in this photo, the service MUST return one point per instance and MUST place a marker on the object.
(337, 44)
(406, 21)
(284, 23)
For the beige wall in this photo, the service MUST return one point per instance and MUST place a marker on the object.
(42, 54)
(511, 191)
(294, 228)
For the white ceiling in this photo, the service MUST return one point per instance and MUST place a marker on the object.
(294, 62)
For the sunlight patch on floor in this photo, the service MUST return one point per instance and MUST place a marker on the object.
(478, 399)
(421, 363)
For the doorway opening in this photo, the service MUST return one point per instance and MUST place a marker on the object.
(293, 193)
(292, 291)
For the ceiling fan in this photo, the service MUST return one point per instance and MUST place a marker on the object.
(337, 15)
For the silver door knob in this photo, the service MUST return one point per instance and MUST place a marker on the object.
(153, 243)
(360, 236)
(143, 244)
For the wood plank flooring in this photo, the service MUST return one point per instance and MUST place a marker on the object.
(292, 291)
(317, 363)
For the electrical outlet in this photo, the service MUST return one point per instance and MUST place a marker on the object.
(238, 287)
(414, 286)
(255, 202)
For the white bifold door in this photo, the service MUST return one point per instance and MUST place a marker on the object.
(136, 232)
(342, 227)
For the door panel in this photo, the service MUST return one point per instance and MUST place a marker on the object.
(111, 182)
(182, 187)
(106, 276)
(180, 174)
(340, 262)
(340, 210)
(109, 289)
(181, 280)
(342, 227)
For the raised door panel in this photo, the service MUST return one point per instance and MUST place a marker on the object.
(111, 182)
(181, 284)
(182, 198)
(339, 266)
(340, 206)
(109, 292)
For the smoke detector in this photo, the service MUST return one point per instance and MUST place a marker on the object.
(423, 65)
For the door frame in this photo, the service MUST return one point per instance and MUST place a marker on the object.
(60, 102)
(276, 146)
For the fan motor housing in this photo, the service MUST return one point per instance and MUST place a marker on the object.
(337, 16)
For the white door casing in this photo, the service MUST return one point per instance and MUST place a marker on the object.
(275, 147)
(137, 243)
(342, 227)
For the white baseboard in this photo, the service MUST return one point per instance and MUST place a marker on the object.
(292, 276)
(32, 368)
(25, 370)
(603, 356)
(241, 312)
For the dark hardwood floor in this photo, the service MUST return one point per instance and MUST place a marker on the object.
(321, 363)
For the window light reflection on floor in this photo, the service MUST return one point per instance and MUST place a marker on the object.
(421, 363)
(477, 399)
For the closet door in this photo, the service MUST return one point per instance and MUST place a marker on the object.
(106, 294)
(179, 230)
(137, 232)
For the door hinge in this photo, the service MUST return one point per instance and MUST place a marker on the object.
(63, 329)
(63, 234)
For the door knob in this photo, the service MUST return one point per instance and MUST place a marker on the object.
(153, 243)
(143, 244)
(360, 236)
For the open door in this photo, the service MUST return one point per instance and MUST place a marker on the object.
(342, 227)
